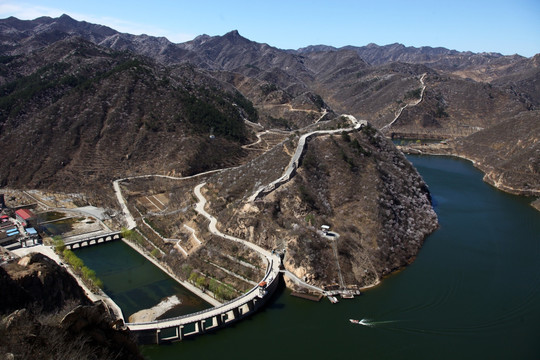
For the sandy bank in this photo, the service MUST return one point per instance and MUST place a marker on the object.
(154, 312)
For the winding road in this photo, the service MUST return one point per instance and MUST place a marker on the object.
(262, 191)
(212, 227)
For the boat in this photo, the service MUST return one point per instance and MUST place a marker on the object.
(354, 321)
(333, 299)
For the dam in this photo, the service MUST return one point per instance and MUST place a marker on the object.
(141, 285)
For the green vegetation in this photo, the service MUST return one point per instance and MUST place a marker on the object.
(49, 82)
(133, 236)
(220, 290)
(187, 270)
(209, 113)
(268, 88)
(307, 197)
(348, 160)
(345, 137)
(413, 94)
(247, 105)
(59, 246)
(76, 263)
(358, 148)
(318, 101)
(251, 66)
(151, 224)
(5, 59)
(361, 73)
(14, 95)
(440, 112)
(369, 130)
(85, 83)
(309, 161)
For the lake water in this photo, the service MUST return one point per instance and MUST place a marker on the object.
(472, 293)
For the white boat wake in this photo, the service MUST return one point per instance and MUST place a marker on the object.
(368, 322)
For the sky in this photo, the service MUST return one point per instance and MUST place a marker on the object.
(504, 26)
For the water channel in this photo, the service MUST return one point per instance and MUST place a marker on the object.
(472, 293)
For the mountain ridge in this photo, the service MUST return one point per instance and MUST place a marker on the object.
(372, 82)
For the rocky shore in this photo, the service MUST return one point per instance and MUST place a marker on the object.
(495, 176)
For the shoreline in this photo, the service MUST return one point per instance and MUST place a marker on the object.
(532, 193)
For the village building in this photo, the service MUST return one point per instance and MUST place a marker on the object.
(23, 216)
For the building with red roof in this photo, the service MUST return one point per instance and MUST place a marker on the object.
(23, 215)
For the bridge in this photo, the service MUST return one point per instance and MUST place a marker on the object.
(92, 240)
(176, 329)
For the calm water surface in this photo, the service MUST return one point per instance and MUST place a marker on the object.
(133, 282)
(472, 293)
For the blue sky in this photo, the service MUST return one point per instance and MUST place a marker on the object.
(508, 27)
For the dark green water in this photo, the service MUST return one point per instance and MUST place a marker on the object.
(133, 282)
(472, 293)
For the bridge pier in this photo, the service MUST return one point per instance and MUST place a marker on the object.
(244, 309)
(215, 322)
(176, 336)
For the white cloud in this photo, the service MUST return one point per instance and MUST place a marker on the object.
(137, 29)
(180, 37)
(29, 12)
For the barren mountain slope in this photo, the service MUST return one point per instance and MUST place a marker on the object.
(73, 114)
(455, 107)
(501, 150)
(360, 186)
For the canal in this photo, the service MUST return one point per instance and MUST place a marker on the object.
(472, 293)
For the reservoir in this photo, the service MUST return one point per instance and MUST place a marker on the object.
(472, 293)
(133, 282)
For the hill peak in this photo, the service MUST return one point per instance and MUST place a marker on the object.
(235, 36)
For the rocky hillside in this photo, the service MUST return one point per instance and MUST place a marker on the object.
(371, 82)
(47, 315)
(377, 233)
(85, 115)
(501, 150)
(37, 280)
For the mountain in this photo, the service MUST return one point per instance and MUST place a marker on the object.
(109, 113)
(372, 84)
(407, 91)
(501, 150)
(82, 105)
